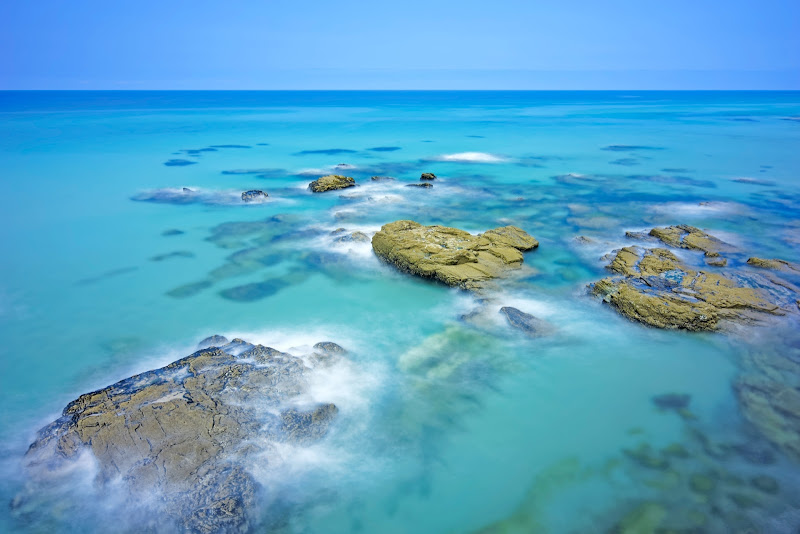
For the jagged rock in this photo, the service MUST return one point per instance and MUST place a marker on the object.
(449, 255)
(689, 237)
(659, 290)
(331, 182)
(427, 176)
(185, 431)
(213, 341)
(778, 265)
(254, 195)
(527, 323)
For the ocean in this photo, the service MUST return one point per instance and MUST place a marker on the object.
(111, 269)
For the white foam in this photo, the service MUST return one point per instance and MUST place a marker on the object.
(471, 157)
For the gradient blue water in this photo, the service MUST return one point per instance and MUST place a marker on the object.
(449, 446)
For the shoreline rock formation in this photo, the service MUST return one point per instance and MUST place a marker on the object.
(185, 430)
(452, 256)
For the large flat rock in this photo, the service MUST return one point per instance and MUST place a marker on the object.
(452, 256)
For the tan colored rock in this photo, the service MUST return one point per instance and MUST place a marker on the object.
(778, 265)
(689, 237)
(184, 431)
(331, 182)
(449, 255)
(658, 290)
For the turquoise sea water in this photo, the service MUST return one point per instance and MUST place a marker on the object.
(443, 427)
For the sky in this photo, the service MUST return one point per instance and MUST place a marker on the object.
(408, 44)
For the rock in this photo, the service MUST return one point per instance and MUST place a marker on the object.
(382, 179)
(658, 290)
(187, 190)
(701, 484)
(449, 255)
(254, 195)
(527, 323)
(331, 182)
(717, 262)
(672, 401)
(186, 431)
(427, 176)
(355, 237)
(175, 254)
(425, 185)
(779, 265)
(329, 347)
(172, 232)
(213, 341)
(689, 237)
(765, 483)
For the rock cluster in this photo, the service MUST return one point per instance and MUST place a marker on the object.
(331, 182)
(658, 289)
(184, 431)
(254, 195)
(449, 255)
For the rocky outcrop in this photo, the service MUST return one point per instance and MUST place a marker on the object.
(658, 289)
(528, 324)
(254, 195)
(778, 265)
(449, 255)
(331, 182)
(184, 432)
(427, 176)
(689, 237)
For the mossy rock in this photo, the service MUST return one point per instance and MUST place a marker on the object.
(452, 256)
(331, 182)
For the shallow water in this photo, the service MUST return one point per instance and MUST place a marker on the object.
(444, 426)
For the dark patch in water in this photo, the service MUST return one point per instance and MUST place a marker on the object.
(428, 141)
(197, 151)
(262, 144)
(754, 181)
(742, 119)
(103, 276)
(326, 151)
(254, 291)
(476, 136)
(189, 290)
(175, 254)
(675, 170)
(384, 148)
(676, 180)
(231, 146)
(626, 162)
(629, 148)
(172, 232)
(178, 162)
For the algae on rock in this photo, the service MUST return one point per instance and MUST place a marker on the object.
(452, 256)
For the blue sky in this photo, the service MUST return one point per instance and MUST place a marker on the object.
(413, 44)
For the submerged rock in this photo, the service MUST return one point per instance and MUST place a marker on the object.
(185, 431)
(449, 255)
(424, 185)
(382, 179)
(254, 195)
(330, 183)
(527, 323)
(644, 519)
(672, 401)
(659, 290)
(355, 237)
